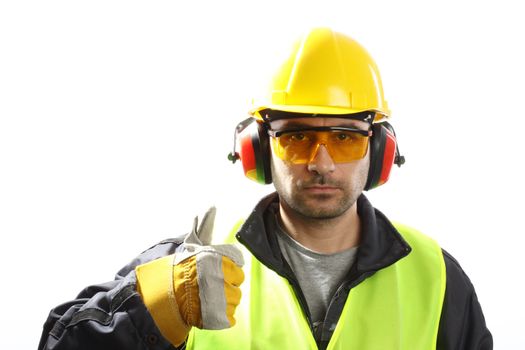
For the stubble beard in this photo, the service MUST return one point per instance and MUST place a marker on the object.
(321, 206)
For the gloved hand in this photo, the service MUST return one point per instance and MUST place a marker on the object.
(203, 285)
(207, 278)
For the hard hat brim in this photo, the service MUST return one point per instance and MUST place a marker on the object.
(381, 114)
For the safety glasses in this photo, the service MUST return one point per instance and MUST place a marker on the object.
(300, 145)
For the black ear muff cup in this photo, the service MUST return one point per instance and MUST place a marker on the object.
(263, 152)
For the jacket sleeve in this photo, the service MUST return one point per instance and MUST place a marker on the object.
(109, 316)
(462, 324)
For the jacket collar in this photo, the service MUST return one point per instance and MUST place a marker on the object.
(381, 244)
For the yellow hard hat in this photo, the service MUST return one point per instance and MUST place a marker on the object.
(326, 73)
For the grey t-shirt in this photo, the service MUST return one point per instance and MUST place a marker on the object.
(319, 275)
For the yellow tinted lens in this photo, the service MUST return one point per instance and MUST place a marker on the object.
(295, 147)
(346, 146)
(300, 147)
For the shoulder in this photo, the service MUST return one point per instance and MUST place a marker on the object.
(456, 277)
(462, 324)
(420, 244)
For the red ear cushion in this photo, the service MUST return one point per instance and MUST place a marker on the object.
(254, 153)
(382, 155)
(247, 155)
(388, 157)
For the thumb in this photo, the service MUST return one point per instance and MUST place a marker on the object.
(201, 234)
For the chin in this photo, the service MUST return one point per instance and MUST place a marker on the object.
(320, 211)
(324, 214)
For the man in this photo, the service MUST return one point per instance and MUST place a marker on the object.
(324, 269)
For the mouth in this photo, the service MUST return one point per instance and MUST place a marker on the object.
(321, 189)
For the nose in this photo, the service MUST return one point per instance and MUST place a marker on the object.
(321, 163)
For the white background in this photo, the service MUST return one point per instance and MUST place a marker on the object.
(116, 118)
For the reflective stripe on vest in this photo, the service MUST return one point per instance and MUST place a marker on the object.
(398, 307)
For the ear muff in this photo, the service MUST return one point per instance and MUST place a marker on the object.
(254, 153)
(383, 154)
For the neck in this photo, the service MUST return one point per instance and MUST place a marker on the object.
(325, 236)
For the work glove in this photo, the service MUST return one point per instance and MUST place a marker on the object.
(197, 286)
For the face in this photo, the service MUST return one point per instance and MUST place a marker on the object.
(321, 188)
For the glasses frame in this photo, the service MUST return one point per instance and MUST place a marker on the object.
(278, 133)
(275, 134)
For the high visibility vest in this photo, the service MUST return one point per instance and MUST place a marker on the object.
(399, 307)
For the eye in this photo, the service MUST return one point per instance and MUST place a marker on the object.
(344, 136)
(297, 137)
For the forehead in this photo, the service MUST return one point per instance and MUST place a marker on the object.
(314, 122)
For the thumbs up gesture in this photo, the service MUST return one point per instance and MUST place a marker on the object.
(207, 278)
(198, 286)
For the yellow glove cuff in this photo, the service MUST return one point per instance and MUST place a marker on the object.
(185, 284)
(155, 285)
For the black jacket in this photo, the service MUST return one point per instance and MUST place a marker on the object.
(113, 316)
